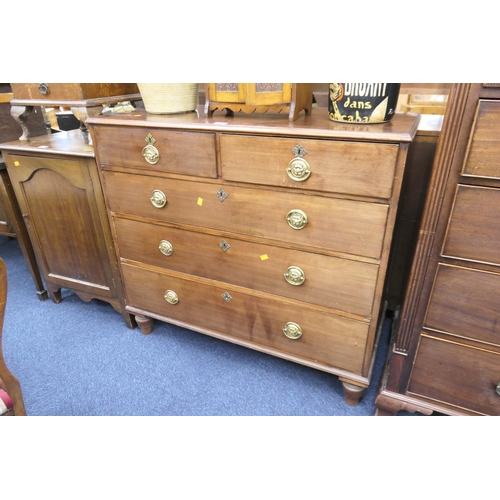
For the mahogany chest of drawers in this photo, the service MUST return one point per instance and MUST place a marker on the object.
(446, 351)
(271, 234)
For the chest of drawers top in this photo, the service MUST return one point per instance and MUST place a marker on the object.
(402, 128)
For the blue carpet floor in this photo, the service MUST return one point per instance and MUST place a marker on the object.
(79, 358)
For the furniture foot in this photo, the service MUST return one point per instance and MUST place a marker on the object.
(20, 114)
(353, 393)
(42, 295)
(55, 294)
(144, 323)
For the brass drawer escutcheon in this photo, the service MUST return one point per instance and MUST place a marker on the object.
(150, 153)
(292, 330)
(227, 297)
(224, 245)
(295, 276)
(166, 248)
(171, 297)
(221, 194)
(298, 170)
(296, 218)
(299, 150)
(158, 198)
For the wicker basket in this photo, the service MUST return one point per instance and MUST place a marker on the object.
(169, 98)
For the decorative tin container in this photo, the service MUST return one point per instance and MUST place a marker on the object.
(362, 102)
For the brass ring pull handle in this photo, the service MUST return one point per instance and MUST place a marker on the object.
(171, 297)
(296, 218)
(158, 198)
(150, 153)
(298, 169)
(498, 389)
(292, 331)
(166, 248)
(43, 89)
(295, 276)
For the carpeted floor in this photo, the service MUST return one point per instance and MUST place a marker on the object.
(79, 358)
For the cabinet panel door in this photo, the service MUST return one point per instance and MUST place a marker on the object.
(63, 220)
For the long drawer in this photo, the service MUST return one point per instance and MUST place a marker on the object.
(364, 169)
(474, 228)
(465, 302)
(458, 375)
(325, 338)
(339, 284)
(484, 147)
(329, 224)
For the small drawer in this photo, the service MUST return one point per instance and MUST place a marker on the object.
(323, 338)
(457, 375)
(343, 285)
(354, 168)
(474, 228)
(71, 91)
(464, 302)
(483, 155)
(186, 153)
(330, 224)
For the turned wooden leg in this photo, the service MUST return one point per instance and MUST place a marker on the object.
(20, 114)
(144, 323)
(353, 393)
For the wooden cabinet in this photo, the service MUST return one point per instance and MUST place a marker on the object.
(447, 340)
(56, 183)
(270, 234)
(291, 98)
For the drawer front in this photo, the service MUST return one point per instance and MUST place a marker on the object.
(186, 153)
(339, 167)
(52, 91)
(339, 284)
(474, 228)
(333, 225)
(72, 91)
(465, 302)
(456, 374)
(483, 156)
(327, 339)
